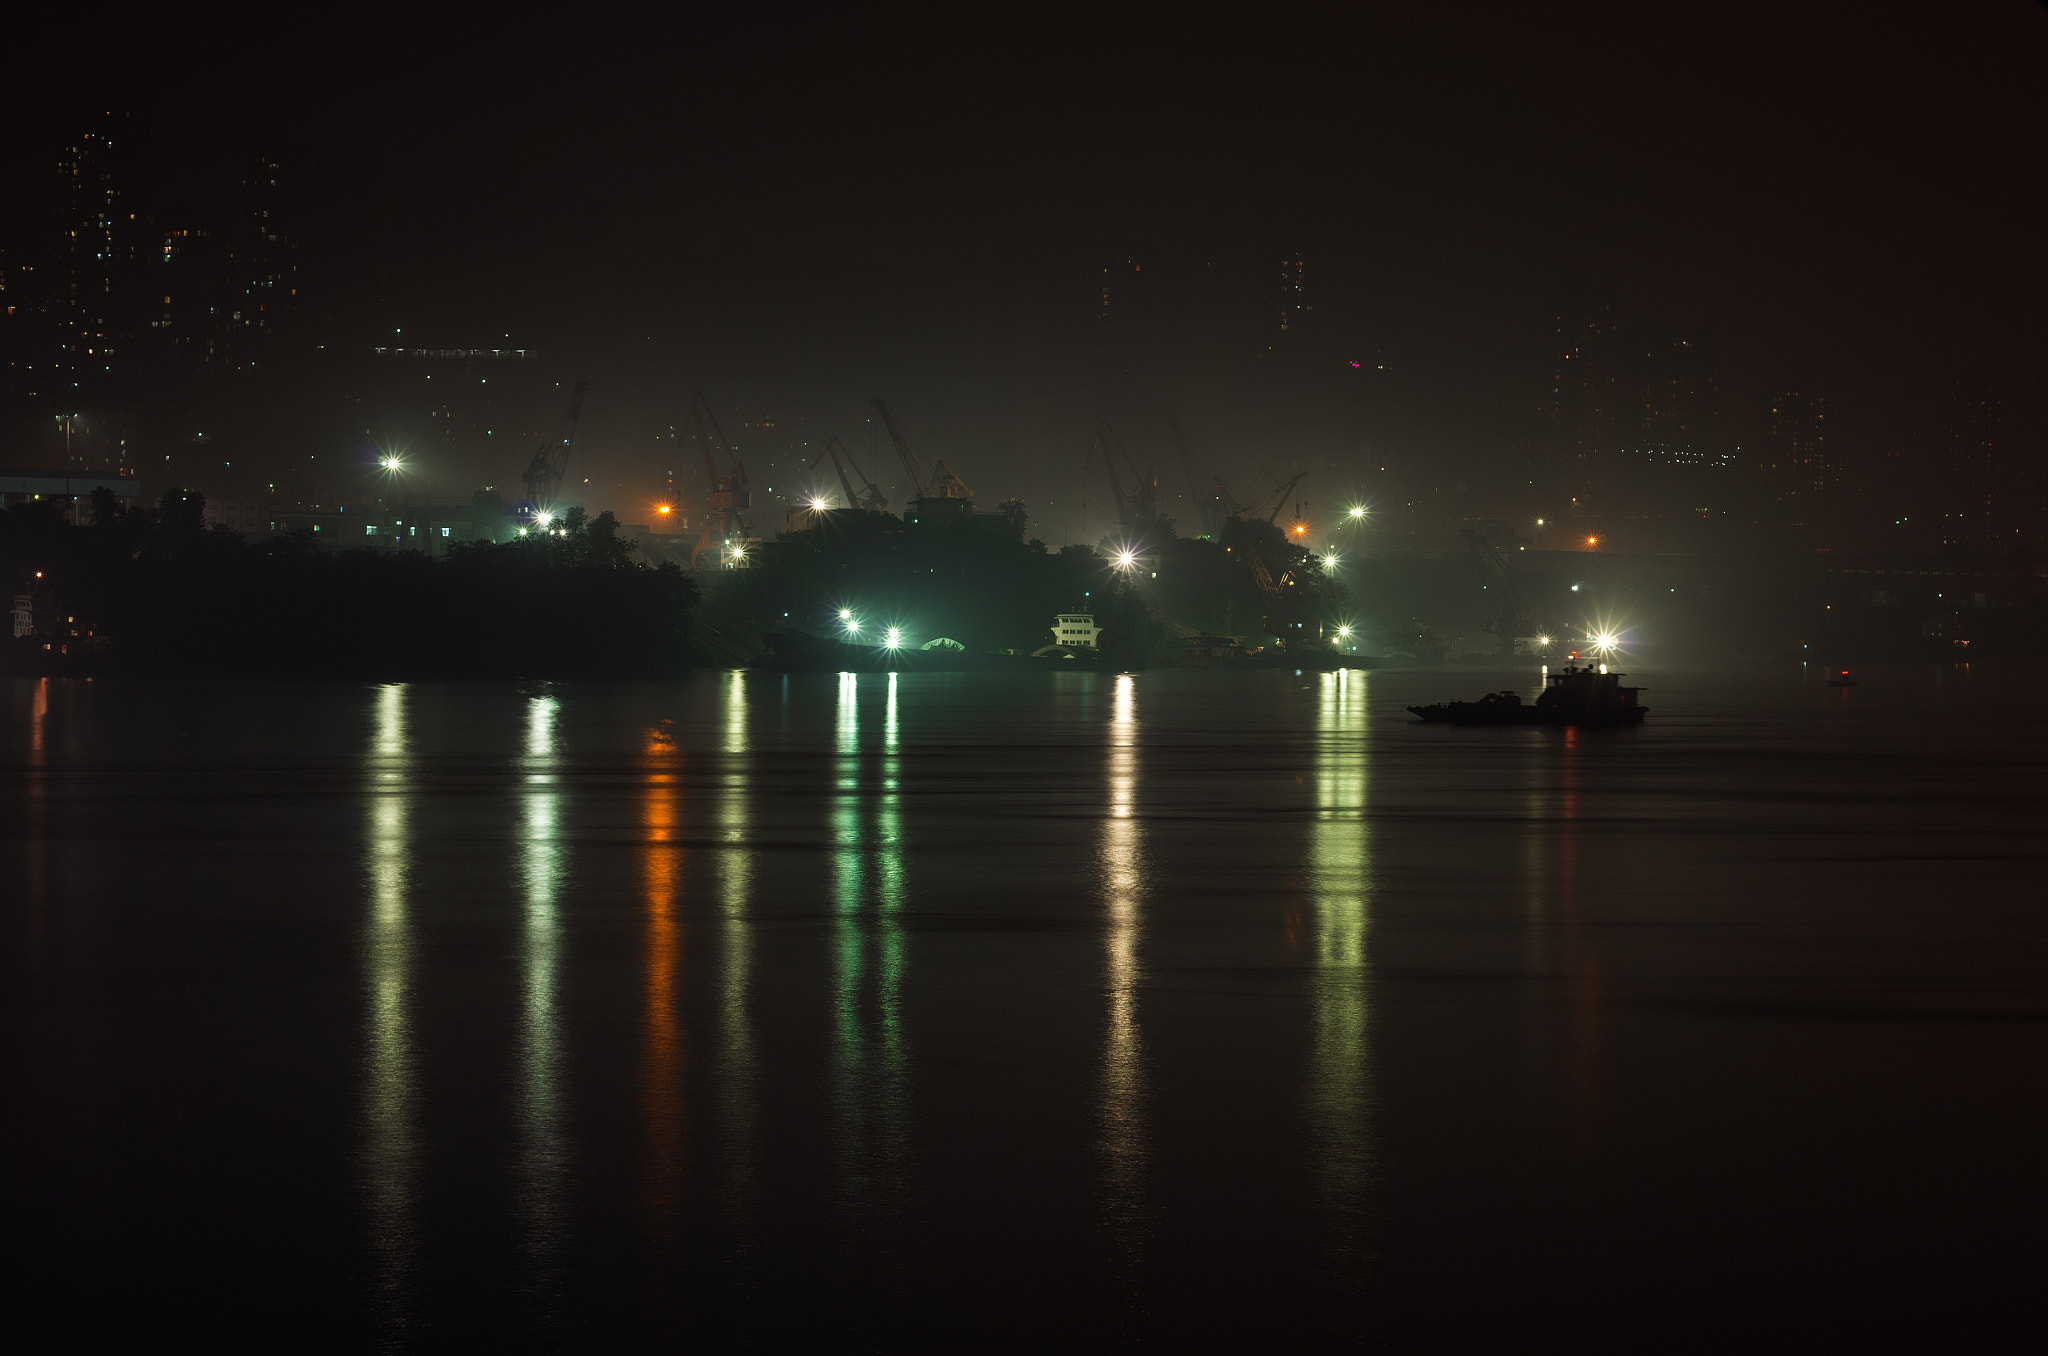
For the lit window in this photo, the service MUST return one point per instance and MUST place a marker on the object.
(445, 531)
(370, 531)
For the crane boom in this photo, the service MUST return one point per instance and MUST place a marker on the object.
(730, 495)
(1124, 502)
(1511, 612)
(913, 465)
(1211, 510)
(868, 497)
(551, 459)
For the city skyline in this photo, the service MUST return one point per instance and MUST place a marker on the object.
(1395, 304)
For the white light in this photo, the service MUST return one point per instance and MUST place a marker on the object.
(895, 637)
(544, 518)
(1330, 560)
(846, 614)
(818, 506)
(1126, 559)
(853, 628)
(1358, 512)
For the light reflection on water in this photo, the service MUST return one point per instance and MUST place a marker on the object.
(662, 1106)
(390, 1095)
(870, 1055)
(737, 1096)
(543, 1147)
(1123, 1057)
(1341, 877)
(656, 1005)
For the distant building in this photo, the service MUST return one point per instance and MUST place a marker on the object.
(1800, 465)
(1977, 483)
(1583, 405)
(1675, 421)
(1118, 293)
(250, 517)
(1076, 630)
(72, 491)
(1291, 293)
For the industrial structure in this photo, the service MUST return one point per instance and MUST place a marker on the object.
(729, 497)
(868, 497)
(1509, 615)
(938, 494)
(1137, 506)
(551, 459)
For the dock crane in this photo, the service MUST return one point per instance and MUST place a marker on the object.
(1511, 615)
(941, 483)
(551, 459)
(730, 496)
(1279, 498)
(1212, 510)
(1138, 507)
(869, 497)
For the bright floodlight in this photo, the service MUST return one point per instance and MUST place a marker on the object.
(1126, 558)
(846, 614)
(544, 518)
(819, 506)
(663, 508)
(852, 628)
(392, 463)
(1604, 641)
(1343, 633)
(895, 637)
(1358, 511)
(1543, 640)
(1330, 560)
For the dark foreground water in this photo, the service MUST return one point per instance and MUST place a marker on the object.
(866, 1013)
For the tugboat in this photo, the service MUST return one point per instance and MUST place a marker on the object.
(1574, 695)
(1843, 679)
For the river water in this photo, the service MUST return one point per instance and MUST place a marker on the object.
(1167, 1010)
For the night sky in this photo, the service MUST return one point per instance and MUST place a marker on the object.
(797, 212)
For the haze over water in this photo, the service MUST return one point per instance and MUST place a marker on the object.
(1170, 1008)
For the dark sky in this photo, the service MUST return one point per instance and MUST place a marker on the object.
(798, 211)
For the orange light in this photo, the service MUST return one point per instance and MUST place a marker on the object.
(663, 509)
(1592, 541)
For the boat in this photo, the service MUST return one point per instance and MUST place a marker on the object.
(1843, 679)
(1574, 695)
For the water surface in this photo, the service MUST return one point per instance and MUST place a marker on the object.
(879, 1011)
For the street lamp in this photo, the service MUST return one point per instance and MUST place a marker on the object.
(895, 641)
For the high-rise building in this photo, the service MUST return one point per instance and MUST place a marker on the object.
(1675, 424)
(1977, 485)
(1118, 293)
(1290, 293)
(1582, 405)
(102, 230)
(1801, 468)
(266, 270)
